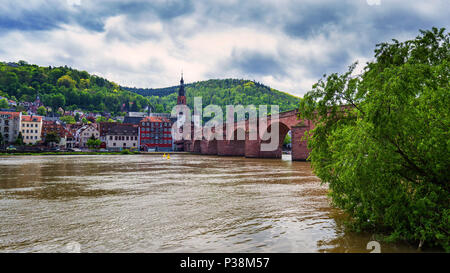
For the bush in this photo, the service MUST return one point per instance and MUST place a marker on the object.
(126, 152)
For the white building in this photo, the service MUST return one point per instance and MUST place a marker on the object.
(31, 127)
(83, 134)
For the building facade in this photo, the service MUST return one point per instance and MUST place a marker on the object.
(10, 124)
(119, 136)
(31, 128)
(67, 139)
(83, 134)
(155, 133)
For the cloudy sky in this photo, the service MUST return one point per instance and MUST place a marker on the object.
(287, 45)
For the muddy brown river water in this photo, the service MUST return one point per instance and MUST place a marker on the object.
(190, 203)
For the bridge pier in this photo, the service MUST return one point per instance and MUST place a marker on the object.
(300, 151)
(231, 147)
(208, 147)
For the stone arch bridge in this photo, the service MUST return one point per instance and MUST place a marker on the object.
(288, 121)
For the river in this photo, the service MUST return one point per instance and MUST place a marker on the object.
(189, 203)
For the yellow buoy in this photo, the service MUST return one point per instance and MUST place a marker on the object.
(168, 156)
(164, 155)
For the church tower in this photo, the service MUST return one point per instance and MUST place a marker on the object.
(181, 96)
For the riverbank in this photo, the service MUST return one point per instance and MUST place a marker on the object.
(88, 153)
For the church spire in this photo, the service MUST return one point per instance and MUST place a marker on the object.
(181, 96)
(181, 90)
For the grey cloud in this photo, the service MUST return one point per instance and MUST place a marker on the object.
(47, 15)
(254, 63)
(350, 29)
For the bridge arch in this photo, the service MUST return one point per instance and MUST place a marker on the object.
(283, 130)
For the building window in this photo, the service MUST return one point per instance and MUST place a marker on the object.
(114, 144)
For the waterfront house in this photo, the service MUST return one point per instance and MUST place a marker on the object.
(31, 128)
(118, 136)
(83, 134)
(155, 133)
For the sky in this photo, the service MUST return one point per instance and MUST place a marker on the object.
(287, 45)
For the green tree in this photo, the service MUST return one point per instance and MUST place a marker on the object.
(84, 120)
(57, 100)
(381, 139)
(101, 119)
(19, 139)
(66, 81)
(52, 137)
(68, 119)
(93, 142)
(42, 111)
(77, 117)
(4, 103)
(287, 140)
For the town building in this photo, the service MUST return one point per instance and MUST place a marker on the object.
(31, 128)
(32, 107)
(119, 136)
(67, 139)
(155, 133)
(83, 134)
(134, 117)
(10, 123)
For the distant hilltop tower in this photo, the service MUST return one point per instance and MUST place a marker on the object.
(181, 96)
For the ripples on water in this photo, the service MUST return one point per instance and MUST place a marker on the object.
(145, 203)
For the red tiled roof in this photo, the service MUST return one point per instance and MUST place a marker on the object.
(12, 114)
(32, 118)
(155, 119)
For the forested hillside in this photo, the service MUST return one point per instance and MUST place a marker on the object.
(227, 92)
(65, 87)
(73, 89)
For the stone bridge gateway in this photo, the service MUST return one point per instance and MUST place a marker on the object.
(288, 121)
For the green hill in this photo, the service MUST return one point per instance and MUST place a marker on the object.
(67, 88)
(221, 92)
(73, 89)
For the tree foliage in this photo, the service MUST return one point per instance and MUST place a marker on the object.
(382, 140)
(67, 88)
(4, 103)
(93, 143)
(42, 111)
(224, 92)
(19, 139)
(52, 137)
(68, 119)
